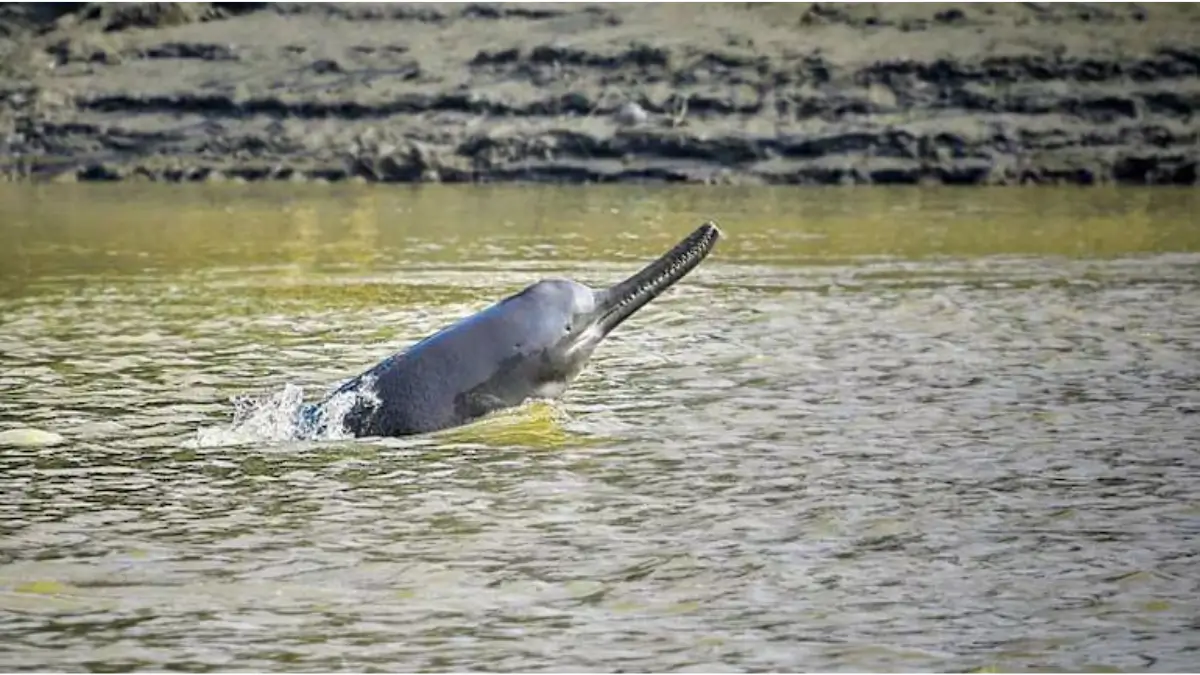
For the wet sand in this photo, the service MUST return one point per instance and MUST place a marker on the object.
(804, 93)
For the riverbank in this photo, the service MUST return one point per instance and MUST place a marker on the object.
(807, 93)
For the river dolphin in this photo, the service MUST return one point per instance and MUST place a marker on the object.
(529, 345)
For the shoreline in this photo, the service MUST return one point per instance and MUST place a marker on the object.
(806, 93)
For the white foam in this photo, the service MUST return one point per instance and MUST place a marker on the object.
(279, 417)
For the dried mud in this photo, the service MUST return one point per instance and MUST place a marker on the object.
(804, 93)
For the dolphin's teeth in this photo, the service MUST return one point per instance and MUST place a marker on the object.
(687, 259)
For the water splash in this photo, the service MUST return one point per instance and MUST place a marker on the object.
(284, 416)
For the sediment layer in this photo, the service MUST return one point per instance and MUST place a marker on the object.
(806, 93)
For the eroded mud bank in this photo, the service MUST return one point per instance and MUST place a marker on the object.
(789, 93)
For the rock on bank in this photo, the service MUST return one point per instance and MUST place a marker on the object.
(743, 93)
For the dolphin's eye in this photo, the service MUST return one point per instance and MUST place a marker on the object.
(567, 329)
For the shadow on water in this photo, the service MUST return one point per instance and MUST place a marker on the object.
(878, 429)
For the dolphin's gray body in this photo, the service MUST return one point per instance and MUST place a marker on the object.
(528, 345)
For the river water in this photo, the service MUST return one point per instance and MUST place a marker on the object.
(907, 430)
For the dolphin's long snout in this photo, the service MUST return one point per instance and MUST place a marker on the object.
(622, 300)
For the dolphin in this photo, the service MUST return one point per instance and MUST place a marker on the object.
(530, 345)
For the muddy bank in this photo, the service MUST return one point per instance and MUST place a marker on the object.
(743, 93)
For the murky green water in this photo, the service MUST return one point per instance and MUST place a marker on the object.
(914, 430)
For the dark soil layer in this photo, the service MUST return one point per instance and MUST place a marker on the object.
(746, 93)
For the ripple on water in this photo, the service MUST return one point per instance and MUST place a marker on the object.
(883, 464)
